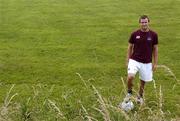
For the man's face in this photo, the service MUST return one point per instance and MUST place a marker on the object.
(144, 24)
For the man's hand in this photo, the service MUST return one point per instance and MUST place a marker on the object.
(127, 62)
(155, 54)
(129, 53)
(154, 66)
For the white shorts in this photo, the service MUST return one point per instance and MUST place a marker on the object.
(144, 69)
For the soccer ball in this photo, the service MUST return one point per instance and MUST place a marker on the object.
(127, 105)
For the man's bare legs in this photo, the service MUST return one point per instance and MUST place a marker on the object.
(141, 91)
(130, 79)
(141, 88)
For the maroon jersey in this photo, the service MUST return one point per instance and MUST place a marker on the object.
(143, 45)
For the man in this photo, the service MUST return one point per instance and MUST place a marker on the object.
(143, 44)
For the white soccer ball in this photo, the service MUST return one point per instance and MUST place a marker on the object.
(127, 105)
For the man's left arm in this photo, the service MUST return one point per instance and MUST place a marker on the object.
(155, 57)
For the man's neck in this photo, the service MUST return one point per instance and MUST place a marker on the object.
(145, 30)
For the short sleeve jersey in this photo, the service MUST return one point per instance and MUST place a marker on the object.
(143, 45)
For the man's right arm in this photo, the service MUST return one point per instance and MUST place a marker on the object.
(129, 52)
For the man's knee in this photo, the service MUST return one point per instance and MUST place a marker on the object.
(130, 77)
(143, 82)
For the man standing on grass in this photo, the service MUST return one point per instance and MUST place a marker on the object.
(143, 46)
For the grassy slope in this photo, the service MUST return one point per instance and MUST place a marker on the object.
(48, 42)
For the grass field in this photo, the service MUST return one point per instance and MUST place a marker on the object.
(65, 59)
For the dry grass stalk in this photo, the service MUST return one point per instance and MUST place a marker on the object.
(87, 116)
(82, 80)
(36, 92)
(155, 88)
(169, 71)
(7, 100)
(124, 85)
(104, 111)
(161, 102)
(5, 108)
(119, 111)
(53, 105)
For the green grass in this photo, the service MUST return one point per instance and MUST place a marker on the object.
(43, 44)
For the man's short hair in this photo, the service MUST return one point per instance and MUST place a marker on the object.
(144, 17)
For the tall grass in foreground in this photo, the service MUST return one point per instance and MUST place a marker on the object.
(34, 110)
